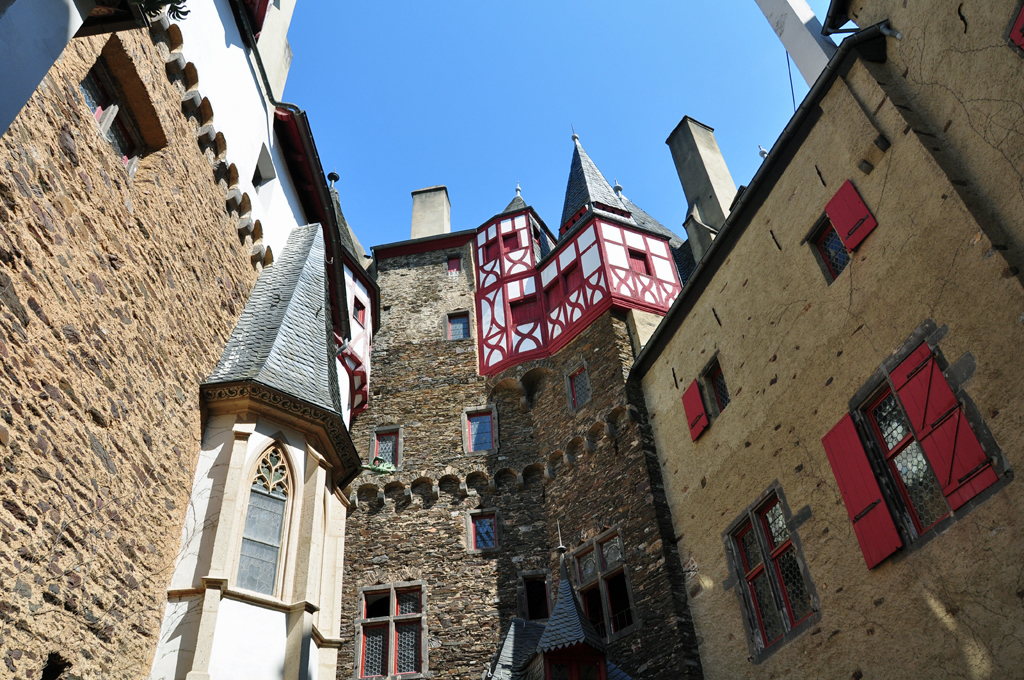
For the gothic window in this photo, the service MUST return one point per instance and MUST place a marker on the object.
(264, 525)
(605, 587)
(392, 630)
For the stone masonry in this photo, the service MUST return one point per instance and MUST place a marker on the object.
(117, 294)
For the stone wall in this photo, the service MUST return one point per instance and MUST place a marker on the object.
(118, 295)
(795, 351)
(412, 525)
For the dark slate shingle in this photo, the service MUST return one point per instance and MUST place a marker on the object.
(586, 185)
(567, 625)
(282, 339)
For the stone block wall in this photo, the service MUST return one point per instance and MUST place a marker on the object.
(117, 296)
(412, 526)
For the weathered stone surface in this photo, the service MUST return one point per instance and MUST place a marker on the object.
(116, 295)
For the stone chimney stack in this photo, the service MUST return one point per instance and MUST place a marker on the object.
(431, 212)
(706, 182)
(800, 32)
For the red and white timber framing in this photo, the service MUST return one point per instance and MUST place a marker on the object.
(524, 313)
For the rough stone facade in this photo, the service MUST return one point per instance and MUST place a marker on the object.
(118, 295)
(798, 352)
(591, 470)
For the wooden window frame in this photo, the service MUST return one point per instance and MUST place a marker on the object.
(753, 519)
(492, 251)
(712, 373)
(470, 412)
(570, 386)
(522, 595)
(554, 294)
(471, 517)
(359, 312)
(506, 238)
(532, 301)
(460, 313)
(635, 255)
(398, 431)
(567, 274)
(457, 259)
(819, 247)
(604, 573)
(392, 622)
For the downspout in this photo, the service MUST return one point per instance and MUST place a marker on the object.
(334, 244)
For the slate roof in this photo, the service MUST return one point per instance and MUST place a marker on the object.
(281, 339)
(586, 185)
(517, 204)
(568, 625)
(347, 237)
(518, 647)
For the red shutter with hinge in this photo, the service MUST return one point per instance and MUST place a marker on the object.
(1017, 32)
(696, 416)
(868, 512)
(850, 217)
(939, 423)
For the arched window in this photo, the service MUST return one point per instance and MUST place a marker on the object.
(264, 525)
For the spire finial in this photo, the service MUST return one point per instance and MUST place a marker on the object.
(561, 548)
(617, 189)
(519, 192)
(333, 177)
(575, 137)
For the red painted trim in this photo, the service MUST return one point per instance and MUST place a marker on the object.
(421, 246)
(1017, 32)
(303, 176)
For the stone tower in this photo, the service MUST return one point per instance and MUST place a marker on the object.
(500, 395)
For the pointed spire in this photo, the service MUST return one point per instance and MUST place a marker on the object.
(586, 184)
(568, 625)
(517, 203)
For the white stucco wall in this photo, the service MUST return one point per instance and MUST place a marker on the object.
(177, 637)
(249, 643)
(230, 79)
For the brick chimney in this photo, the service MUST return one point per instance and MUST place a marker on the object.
(431, 212)
(706, 182)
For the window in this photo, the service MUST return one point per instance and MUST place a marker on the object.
(454, 264)
(579, 387)
(525, 311)
(480, 432)
(715, 381)
(535, 595)
(259, 558)
(773, 586)
(386, 447)
(833, 252)
(511, 241)
(483, 530)
(359, 312)
(491, 251)
(638, 262)
(114, 120)
(922, 445)
(458, 326)
(392, 630)
(553, 294)
(573, 278)
(604, 586)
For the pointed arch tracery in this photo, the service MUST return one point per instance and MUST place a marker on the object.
(265, 519)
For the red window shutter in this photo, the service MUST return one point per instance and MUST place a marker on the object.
(638, 262)
(850, 217)
(454, 263)
(939, 423)
(1017, 32)
(525, 311)
(573, 278)
(491, 252)
(696, 416)
(868, 512)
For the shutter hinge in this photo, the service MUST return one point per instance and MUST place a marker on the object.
(974, 471)
(856, 226)
(860, 515)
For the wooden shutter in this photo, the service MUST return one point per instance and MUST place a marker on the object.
(525, 311)
(638, 262)
(868, 512)
(491, 251)
(696, 416)
(941, 427)
(850, 217)
(573, 278)
(1017, 32)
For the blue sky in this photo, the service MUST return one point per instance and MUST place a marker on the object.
(481, 95)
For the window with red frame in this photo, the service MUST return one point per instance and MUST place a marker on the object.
(485, 532)
(573, 277)
(638, 262)
(525, 311)
(110, 114)
(491, 251)
(917, 483)
(833, 253)
(480, 433)
(386, 448)
(579, 388)
(454, 264)
(715, 381)
(774, 584)
(511, 241)
(553, 294)
(458, 326)
(359, 312)
(392, 630)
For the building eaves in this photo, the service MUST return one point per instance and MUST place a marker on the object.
(424, 244)
(869, 44)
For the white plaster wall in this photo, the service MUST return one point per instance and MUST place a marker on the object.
(273, 43)
(249, 643)
(178, 632)
(230, 79)
(314, 662)
(345, 390)
(33, 33)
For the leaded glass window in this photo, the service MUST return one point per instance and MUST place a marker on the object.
(408, 647)
(264, 525)
(580, 384)
(484, 533)
(458, 327)
(387, 447)
(605, 587)
(375, 651)
(480, 433)
(393, 630)
(833, 252)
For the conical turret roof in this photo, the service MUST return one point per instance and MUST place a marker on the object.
(568, 625)
(586, 184)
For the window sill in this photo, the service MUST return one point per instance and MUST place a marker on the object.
(763, 654)
(483, 551)
(628, 630)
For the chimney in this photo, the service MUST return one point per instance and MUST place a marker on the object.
(431, 212)
(706, 182)
(800, 32)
